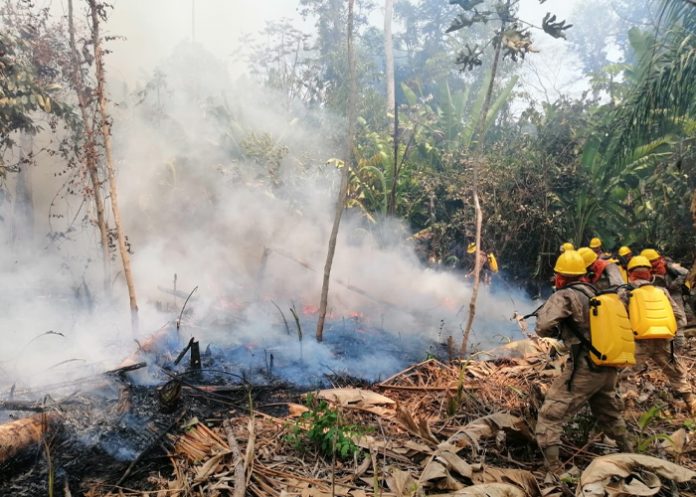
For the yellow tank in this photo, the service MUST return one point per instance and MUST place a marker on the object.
(611, 332)
(492, 262)
(651, 314)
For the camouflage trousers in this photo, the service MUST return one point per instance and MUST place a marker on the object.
(659, 352)
(596, 387)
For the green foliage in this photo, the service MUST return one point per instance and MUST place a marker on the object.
(648, 417)
(514, 40)
(646, 439)
(323, 428)
(31, 54)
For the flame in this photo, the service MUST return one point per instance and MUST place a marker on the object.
(449, 303)
(309, 309)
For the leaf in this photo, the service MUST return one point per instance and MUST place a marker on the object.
(488, 490)
(209, 467)
(415, 425)
(615, 474)
(402, 483)
(409, 94)
(553, 28)
(346, 396)
(487, 427)
(677, 442)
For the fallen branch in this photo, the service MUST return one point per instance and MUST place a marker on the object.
(18, 436)
(22, 405)
(240, 482)
(147, 449)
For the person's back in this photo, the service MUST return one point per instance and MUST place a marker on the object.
(659, 350)
(608, 275)
(566, 315)
(601, 273)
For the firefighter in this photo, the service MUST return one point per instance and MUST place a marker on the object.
(659, 350)
(488, 261)
(601, 273)
(624, 256)
(596, 246)
(566, 315)
(668, 274)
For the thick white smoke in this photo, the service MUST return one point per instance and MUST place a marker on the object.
(249, 235)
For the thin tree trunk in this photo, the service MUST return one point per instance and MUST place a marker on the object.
(389, 54)
(343, 191)
(111, 175)
(391, 203)
(23, 218)
(477, 275)
(475, 184)
(90, 148)
(391, 98)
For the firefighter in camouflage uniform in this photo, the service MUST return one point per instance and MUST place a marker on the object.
(660, 351)
(565, 315)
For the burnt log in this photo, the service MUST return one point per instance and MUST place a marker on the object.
(17, 437)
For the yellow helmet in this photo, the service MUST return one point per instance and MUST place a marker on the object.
(639, 261)
(471, 248)
(588, 255)
(624, 251)
(570, 263)
(650, 254)
(567, 246)
(595, 243)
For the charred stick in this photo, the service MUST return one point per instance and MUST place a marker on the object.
(20, 405)
(142, 454)
(126, 369)
(195, 364)
(183, 352)
(297, 323)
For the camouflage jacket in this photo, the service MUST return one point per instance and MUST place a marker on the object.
(566, 309)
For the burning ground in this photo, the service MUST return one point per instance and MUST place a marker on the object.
(435, 428)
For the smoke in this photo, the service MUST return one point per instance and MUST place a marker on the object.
(225, 190)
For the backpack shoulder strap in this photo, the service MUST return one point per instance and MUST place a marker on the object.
(584, 288)
(590, 292)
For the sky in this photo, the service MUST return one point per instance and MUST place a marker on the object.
(152, 28)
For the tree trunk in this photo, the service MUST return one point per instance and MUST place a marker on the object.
(345, 174)
(90, 148)
(391, 202)
(23, 218)
(477, 275)
(389, 55)
(111, 175)
(477, 206)
(17, 437)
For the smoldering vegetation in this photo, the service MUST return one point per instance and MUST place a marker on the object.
(225, 191)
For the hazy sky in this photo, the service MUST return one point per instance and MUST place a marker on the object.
(153, 27)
